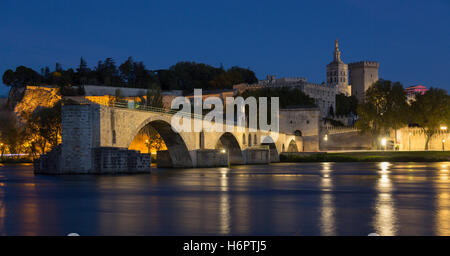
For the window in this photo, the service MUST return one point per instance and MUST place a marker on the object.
(249, 140)
(243, 139)
(255, 140)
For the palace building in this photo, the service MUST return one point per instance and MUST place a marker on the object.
(352, 79)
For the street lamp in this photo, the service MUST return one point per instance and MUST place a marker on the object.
(443, 129)
(383, 143)
(147, 143)
(223, 151)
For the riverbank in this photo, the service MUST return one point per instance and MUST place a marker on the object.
(368, 156)
(9, 160)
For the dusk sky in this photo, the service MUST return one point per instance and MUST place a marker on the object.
(410, 39)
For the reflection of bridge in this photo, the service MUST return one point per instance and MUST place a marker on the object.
(91, 126)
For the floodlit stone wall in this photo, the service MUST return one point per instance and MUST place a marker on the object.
(414, 139)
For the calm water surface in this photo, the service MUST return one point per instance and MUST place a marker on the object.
(280, 199)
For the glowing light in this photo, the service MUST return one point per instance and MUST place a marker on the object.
(223, 151)
(383, 142)
(443, 128)
(325, 138)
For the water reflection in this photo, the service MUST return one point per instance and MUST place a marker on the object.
(443, 202)
(385, 217)
(327, 202)
(280, 199)
(225, 217)
(2, 210)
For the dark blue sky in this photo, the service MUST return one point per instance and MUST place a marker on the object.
(410, 39)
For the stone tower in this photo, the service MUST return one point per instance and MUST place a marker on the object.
(337, 73)
(362, 75)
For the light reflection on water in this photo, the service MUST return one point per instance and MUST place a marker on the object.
(281, 199)
(385, 217)
(327, 206)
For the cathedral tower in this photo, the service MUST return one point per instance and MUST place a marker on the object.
(337, 73)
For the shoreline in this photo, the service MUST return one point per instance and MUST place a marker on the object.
(367, 156)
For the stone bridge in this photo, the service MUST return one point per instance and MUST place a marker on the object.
(91, 126)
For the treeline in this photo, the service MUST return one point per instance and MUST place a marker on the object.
(181, 76)
(288, 97)
(386, 109)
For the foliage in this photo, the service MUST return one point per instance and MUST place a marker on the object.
(431, 110)
(182, 76)
(288, 96)
(12, 134)
(384, 109)
(155, 142)
(346, 105)
(154, 97)
(21, 76)
(44, 126)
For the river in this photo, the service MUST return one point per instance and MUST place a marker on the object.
(280, 199)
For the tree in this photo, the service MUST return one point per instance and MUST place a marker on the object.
(127, 72)
(346, 105)
(383, 110)
(45, 126)
(154, 97)
(431, 110)
(154, 141)
(398, 113)
(12, 134)
(288, 97)
(107, 73)
(21, 77)
(82, 72)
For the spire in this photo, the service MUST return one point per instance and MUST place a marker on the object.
(337, 53)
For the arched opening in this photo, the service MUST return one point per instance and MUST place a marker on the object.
(159, 136)
(274, 156)
(292, 146)
(228, 142)
(298, 133)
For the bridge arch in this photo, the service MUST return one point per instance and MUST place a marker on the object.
(292, 146)
(230, 143)
(176, 147)
(274, 155)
